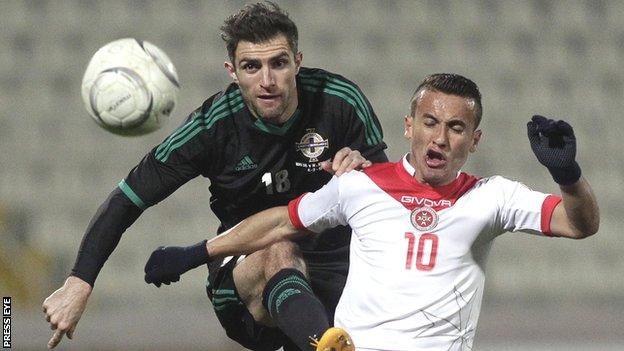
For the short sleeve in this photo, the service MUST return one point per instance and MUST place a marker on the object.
(319, 210)
(526, 210)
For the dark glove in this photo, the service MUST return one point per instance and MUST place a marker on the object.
(554, 144)
(167, 263)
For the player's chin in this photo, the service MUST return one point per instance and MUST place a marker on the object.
(272, 115)
(437, 177)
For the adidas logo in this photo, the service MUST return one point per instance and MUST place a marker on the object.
(245, 163)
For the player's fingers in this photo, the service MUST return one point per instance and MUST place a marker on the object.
(340, 157)
(348, 165)
(56, 338)
(326, 166)
(152, 261)
(532, 129)
(539, 120)
(344, 166)
(357, 163)
(70, 333)
(565, 128)
(151, 276)
(353, 161)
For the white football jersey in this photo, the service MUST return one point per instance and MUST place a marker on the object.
(418, 253)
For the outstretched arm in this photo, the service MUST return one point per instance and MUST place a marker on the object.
(577, 216)
(254, 233)
(166, 264)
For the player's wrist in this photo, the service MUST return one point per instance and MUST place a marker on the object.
(76, 283)
(198, 254)
(566, 175)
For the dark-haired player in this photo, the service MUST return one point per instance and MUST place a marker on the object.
(259, 142)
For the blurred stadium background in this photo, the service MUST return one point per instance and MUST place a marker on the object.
(559, 58)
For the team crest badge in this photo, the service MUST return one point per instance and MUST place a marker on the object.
(312, 145)
(424, 218)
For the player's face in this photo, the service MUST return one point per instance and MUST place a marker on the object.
(266, 74)
(442, 133)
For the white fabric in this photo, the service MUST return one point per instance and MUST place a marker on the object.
(386, 306)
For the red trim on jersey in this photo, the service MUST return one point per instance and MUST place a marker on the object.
(394, 179)
(548, 207)
(293, 212)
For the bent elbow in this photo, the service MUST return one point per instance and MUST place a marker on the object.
(587, 231)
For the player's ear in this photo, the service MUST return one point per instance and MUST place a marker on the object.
(298, 60)
(407, 122)
(231, 70)
(476, 136)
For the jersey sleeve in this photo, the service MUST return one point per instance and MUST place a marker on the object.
(163, 170)
(181, 157)
(319, 210)
(526, 210)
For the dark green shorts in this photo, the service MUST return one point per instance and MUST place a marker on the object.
(232, 313)
(327, 271)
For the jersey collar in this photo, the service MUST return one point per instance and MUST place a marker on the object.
(275, 129)
(459, 185)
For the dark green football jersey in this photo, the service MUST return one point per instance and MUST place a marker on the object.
(252, 165)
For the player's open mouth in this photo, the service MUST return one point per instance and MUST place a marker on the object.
(268, 98)
(435, 159)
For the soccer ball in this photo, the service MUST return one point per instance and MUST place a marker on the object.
(130, 87)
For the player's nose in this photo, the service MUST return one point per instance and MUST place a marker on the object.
(268, 78)
(441, 136)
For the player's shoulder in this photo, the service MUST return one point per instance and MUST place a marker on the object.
(320, 80)
(222, 101)
(380, 168)
(215, 110)
(375, 171)
(206, 125)
(497, 184)
(321, 74)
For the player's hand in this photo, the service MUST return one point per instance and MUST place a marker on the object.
(167, 263)
(344, 161)
(64, 308)
(554, 144)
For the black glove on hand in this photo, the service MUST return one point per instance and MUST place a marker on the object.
(554, 144)
(167, 263)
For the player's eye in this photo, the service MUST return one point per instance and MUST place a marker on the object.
(429, 122)
(280, 63)
(458, 128)
(250, 67)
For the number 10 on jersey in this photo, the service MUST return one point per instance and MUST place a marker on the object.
(426, 252)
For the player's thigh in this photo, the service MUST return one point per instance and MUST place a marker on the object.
(252, 274)
(249, 280)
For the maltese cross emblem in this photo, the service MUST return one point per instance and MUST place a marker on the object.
(424, 218)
